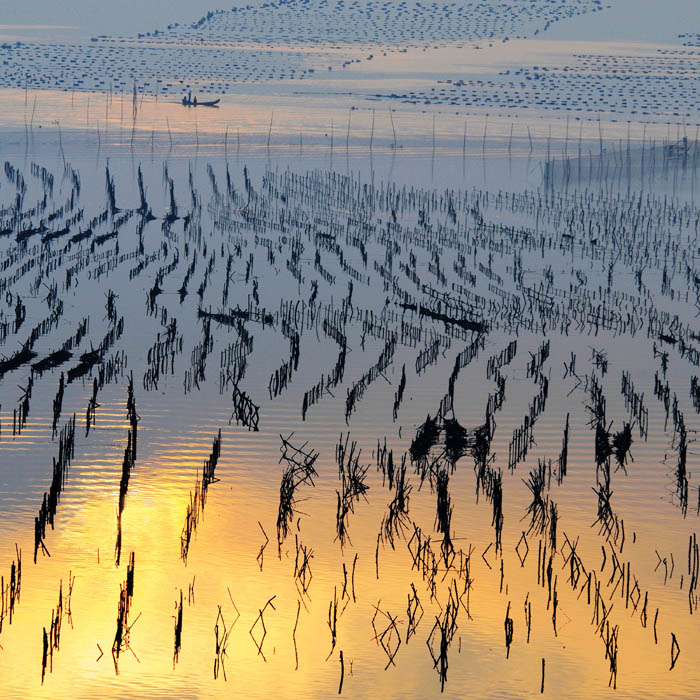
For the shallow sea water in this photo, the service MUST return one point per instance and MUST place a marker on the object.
(594, 255)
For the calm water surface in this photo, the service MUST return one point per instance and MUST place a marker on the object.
(600, 263)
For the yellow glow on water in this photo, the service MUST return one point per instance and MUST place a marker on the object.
(223, 558)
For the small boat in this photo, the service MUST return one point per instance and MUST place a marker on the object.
(189, 102)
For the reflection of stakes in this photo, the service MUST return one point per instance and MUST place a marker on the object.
(10, 593)
(385, 463)
(528, 615)
(300, 470)
(333, 621)
(52, 641)
(443, 516)
(424, 559)
(427, 436)
(564, 454)
(445, 627)
(198, 499)
(542, 683)
(47, 511)
(222, 635)
(44, 655)
(399, 393)
(69, 595)
(693, 571)
(58, 405)
(675, 651)
(345, 593)
(190, 592)
(352, 578)
(376, 556)
(497, 503)
(91, 409)
(543, 512)
(508, 624)
(245, 412)
(121, 638)
(260, 620)
(131, 414)
(63, 607)
(464, 573)
(600, 359)
(261, 553)
(611, 652)
(395, 522)
(127, 464)
(178, 631)
(302, 568)
(294, 637)
(680, 444)
(520, 444)
(414, 611)
(601, 612)
(389, 638)
(342, 672)
(352, 477)
(522, 541)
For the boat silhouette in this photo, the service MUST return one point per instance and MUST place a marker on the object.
(189, 102)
